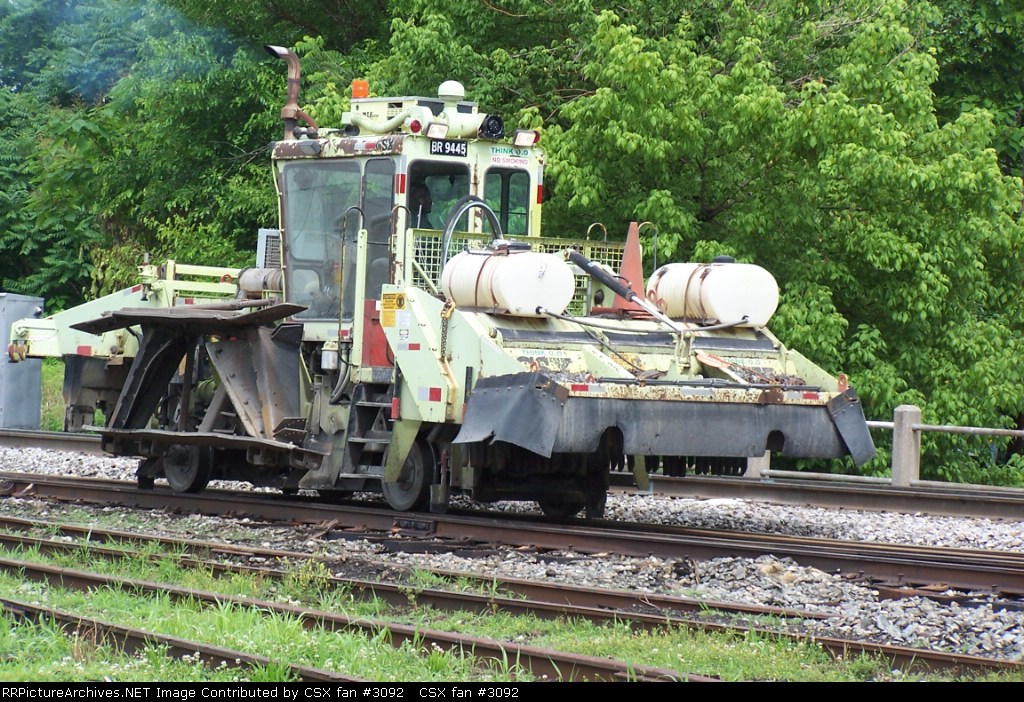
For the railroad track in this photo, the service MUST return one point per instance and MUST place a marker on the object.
(541, 663)
(515, 597)
(53, 440)
(133, 640)
(951, 500)
(909, 570)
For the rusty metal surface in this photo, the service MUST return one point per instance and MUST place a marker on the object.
(263, 398)
(692, 428)
(160, 437)
(535, 411)
(197, 319)
(953, 500)
(335, 146)
(514, 596)
(160, 352)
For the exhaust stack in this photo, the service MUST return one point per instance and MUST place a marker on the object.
(291, 113)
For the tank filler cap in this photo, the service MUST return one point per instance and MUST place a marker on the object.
(451, 91)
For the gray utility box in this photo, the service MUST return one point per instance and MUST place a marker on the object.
(21, 384)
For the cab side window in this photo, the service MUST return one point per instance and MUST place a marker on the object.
(507, 191)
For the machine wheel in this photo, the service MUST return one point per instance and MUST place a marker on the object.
(412, 490)
(187, 468)
(560, 507)
(595, 504)
(674, 466)
(597, 483)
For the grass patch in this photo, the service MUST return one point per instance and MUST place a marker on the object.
(52, 402)
(43, 652)
(281, 638)
(732, 656)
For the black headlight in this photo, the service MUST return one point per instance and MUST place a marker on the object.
(491, 127)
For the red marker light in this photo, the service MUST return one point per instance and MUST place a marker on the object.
(415, 126)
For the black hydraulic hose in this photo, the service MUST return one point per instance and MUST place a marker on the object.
(465, 204)
(595, 271)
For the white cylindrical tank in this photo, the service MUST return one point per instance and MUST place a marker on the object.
(509, 282)
(715, 293)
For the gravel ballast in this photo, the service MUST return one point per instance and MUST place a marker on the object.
(984, 628)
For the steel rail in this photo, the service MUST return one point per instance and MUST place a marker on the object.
(516, 596)
(133, 640)
(51, 440)
(901, 656)
(895, 565)
(542, 663)
(951, 499)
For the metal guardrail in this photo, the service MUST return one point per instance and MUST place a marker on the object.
(906, 429)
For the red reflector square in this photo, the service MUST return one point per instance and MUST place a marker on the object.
(576, 387)
(435, 395)
(84, 350)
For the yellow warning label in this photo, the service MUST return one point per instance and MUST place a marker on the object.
(389, 304)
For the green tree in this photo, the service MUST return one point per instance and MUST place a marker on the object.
(186, 173)
(980, 48)
(153, 138)
(343, 24)
(26, 30)
(894, 237)
(803, 136)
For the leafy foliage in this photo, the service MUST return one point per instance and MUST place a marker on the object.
(865, 152)
(803, 137)
(980, 46)
(343, 24)
(154, 140)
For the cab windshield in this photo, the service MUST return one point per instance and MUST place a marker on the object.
(325, 203)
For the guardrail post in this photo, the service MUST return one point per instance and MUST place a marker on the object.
(906, 446)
